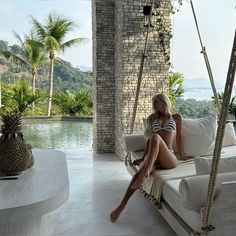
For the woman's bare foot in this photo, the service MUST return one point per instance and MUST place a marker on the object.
(143, 177)
(116, 213)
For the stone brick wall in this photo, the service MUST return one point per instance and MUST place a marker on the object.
(103, 12)
(126, 38)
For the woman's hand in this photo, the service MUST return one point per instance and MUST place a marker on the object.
(138, 161)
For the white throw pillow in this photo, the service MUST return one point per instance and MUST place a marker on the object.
(229, 136)
(203, 165)
(199, 136)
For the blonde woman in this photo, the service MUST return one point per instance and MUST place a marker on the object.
(161, 129)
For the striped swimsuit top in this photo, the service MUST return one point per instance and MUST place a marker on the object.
(170, 125)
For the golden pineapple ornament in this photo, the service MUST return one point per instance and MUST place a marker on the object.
(15, 155)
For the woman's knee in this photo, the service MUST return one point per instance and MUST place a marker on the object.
(155, 138)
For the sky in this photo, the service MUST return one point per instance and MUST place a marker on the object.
(217, 23)
(15, 15)
(216, 18)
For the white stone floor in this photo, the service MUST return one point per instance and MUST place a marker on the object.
(97, 184)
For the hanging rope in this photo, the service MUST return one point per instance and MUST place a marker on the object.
(140, 74)
(219, 139)
(172, 39)
(206, 60)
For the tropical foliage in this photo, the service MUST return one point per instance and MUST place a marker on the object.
(175, 87)
(191, 108)
(19, 98)
(52, 36)
(74, 104)
(232, 105)
(31, 55)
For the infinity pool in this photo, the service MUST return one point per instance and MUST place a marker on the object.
(58, 134)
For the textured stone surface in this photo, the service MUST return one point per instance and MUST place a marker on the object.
(104, 67)
(119, 36)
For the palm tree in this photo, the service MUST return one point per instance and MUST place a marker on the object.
(72, 104)
(175, 87)
(32, 54)
(52, 35)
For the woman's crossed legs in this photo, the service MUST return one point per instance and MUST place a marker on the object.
(157, 151)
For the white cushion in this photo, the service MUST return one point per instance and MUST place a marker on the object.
(193, 190)
(135, 142)
(203, 165)
(229, 136)
(199, 136)
(171, 195)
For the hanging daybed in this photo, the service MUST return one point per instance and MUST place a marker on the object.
(198, 197)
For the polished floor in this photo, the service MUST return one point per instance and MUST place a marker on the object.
(97, 184)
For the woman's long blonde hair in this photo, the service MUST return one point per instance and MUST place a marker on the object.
(163, 99)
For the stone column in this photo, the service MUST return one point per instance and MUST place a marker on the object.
(118, 42)
(103, 12)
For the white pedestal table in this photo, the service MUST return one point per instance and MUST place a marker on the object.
(25, 201)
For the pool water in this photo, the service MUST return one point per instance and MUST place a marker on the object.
(58, 134)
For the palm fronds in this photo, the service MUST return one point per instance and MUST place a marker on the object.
(53, 32)
(32, 54)
(74, 104)
(175, 87)
(19, 98)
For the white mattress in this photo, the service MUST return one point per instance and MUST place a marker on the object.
(228, 151)
(171, 195)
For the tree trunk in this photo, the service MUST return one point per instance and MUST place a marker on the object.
(50, 83)
(33, 87)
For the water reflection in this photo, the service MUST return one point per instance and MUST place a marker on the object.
(58, 134)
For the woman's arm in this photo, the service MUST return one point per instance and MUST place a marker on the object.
(147, 134)
(179, 140)
(138, 161)
(146, 149)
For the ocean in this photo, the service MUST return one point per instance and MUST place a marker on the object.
(200, 94)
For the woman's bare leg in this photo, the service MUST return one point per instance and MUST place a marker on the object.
(130, 191)
(151, 158)
(158, 151)
(116, 213)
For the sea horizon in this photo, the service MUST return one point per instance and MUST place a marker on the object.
(201, 94)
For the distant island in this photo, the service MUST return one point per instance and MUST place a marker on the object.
(200, 83)
(200, 89)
